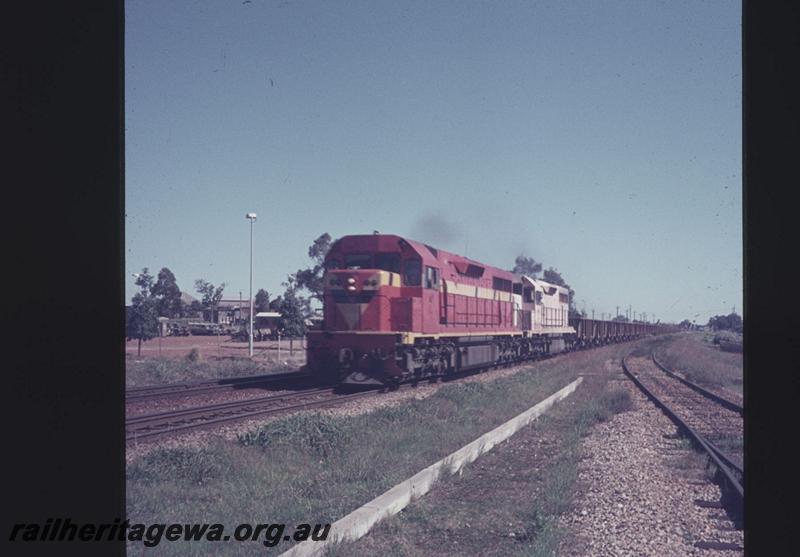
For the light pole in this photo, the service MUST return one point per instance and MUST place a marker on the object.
(252, 218)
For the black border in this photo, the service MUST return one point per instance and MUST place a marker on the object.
(62, 73)
(771, 47)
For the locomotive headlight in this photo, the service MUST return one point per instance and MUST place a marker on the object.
(351, 280)
(351, 288)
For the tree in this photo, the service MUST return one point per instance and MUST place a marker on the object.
(685, 324)
(730, 322)
(526, 266)
(167, 294)
(735, 322)
(142, 321)
(211, 295)
(261, 301)
(195, 308)
(552, 276)
(311, 278)
(294, 311)
(275, 304)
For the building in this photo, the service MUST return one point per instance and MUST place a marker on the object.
(233, 311)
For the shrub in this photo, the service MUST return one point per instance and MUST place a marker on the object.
(196, 466)
(617, 401)
(731, 347)
(602, 409)
(321, 433)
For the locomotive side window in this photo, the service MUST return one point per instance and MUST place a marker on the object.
(538, 297)
(504, 285)
(527, 295)
(331, 264)
(388, 262)
(358, 261)
(431, 277)
(412, 273)
(518, 288)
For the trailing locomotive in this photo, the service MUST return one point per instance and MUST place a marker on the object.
(397, 310)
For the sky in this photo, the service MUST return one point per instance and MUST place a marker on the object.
(603, 139)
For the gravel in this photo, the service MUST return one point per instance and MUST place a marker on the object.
(638, 482)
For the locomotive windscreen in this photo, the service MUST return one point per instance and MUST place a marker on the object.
(412, 273)
(358, 261)
(388, 262)
(383, 261)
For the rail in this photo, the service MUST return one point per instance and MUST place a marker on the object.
(730, 405)
(731, 485)
(200, 387)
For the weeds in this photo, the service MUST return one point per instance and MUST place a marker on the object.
(155, 371)
(602, 409)
(702, 361)
(190, 465)
(317, 433)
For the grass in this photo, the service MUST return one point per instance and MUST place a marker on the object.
(603, 408)
(315, 468)
(702, 361)
(560, 477)
(730, 444)
(690, 461)
(511, 507)
(156, 371)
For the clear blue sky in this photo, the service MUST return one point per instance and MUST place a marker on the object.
(601, 138)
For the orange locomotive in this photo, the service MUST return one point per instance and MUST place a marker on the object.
(396, 310)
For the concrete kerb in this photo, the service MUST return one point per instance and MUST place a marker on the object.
(359, 522)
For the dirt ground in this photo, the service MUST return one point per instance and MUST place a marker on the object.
(213, 346)
(490, 508)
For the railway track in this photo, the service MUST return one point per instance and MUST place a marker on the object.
(711, 425)
(730, 405)
(157, 424)
(191, 388)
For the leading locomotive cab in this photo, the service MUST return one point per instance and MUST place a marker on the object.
(380, 284)
(375, 288)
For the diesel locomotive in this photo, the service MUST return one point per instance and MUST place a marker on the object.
(397, 310)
